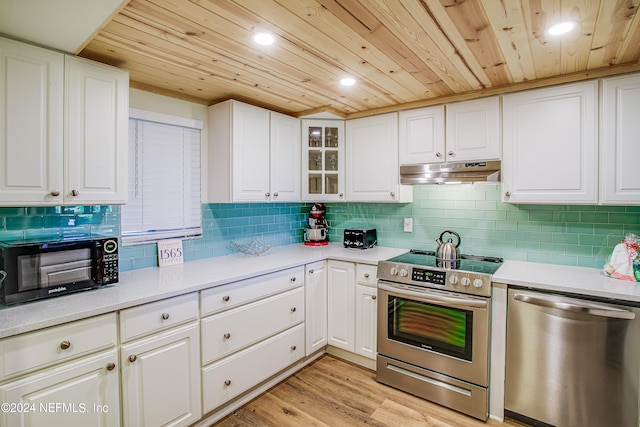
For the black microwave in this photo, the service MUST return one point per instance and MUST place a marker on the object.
(31, 270)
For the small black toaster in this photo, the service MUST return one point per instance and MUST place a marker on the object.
(360, 238)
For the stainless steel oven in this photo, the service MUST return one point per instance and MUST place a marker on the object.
(433, 329)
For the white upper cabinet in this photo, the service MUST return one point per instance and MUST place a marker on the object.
(64, 122)
(550, 147)
(373, 171)
(242, 140)
(96, 133)
(619, 141)
(285, 158)
(323, 160)
(31, 138)
(473, 130)
(421, 135)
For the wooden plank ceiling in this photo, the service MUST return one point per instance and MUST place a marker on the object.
(403, 53)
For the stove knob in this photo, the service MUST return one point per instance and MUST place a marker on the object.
(394, 271)
(404, 273)
(477, 283)
(466, 281)
(453, 279)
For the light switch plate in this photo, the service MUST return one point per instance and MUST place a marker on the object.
(408, 225)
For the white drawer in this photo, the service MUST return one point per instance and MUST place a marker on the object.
(239, 372)
(35, 350)
(234, 294)
(157, 316)
(232, 330)
(367, 274)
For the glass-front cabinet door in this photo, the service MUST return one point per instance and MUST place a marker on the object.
(323, 160)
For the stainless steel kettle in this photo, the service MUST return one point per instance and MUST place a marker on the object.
(448, 254)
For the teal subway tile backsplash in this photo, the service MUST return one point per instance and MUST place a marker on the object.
(557, 234)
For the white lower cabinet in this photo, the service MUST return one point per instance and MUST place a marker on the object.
(233, 375)
(316, 306)
(81, 393)
(366, 311)
(352, 296)
(63, 375)
(251, 330)
(161, 371)
(341, 303)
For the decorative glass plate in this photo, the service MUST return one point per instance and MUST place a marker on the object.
(253, 247)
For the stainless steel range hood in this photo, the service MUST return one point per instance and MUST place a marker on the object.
(448, 173)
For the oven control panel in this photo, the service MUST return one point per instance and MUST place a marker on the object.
(428, 276)
(466, 282)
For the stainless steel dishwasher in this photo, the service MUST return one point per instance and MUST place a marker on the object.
(571, 362)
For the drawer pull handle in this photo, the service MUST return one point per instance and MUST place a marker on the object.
(366, 275)
(293, 279)
(133, 358)
(227, 383)
(165, 316)
(293, 348)
(311, 271)
(373, 297)
(64, 345)
(226, 298)
(111, 366)
(293, 309)
(227, 336)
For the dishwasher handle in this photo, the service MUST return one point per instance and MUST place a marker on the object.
(583, 307)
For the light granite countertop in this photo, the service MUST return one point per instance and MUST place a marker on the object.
(153, 284)
(568, 279)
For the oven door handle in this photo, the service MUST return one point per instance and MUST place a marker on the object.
(436, 299)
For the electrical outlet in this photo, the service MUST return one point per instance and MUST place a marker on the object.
(408, 225)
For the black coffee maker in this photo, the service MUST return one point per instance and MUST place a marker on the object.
(317, 231)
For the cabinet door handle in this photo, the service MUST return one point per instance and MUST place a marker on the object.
(293, 348)
(75, 193)
(507, 194)
(227, 383)
(226, 336)
(226, 298)
(392, 194)
(54, 193)
(111, 366)
(64, 345)
(311, 271)
(133, 358)
(275, 194)
(451, 153)
(165, 316)
(267, 195)
(373, 297)
(438, 154)
(340, 195)
(293, 309)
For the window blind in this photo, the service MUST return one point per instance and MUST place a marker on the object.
(164, 179)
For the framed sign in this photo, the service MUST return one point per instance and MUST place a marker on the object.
(170, 252)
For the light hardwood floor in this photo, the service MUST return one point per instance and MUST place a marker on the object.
(332, 392)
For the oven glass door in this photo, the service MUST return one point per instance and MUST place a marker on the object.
(444, 332)
(431, 326)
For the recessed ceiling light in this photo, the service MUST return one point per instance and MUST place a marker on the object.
(264, 39)
(348, 81)
(561, 28)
